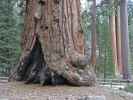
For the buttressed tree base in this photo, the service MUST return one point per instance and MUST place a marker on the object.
(53, 45)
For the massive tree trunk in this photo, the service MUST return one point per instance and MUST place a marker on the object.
(53, 45)
(124, 37)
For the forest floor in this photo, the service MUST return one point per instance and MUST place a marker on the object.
(20, 91)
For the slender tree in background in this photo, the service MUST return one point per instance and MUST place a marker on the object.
(112, 25)
(53, 45)
(94, 34)
(118, 39)
(124, 37)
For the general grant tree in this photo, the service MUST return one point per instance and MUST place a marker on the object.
(53, 47)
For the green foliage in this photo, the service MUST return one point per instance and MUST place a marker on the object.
(86, 25)
(130, 23)
(104, 60)
(104, 51)
(9, 36)
(104, 66)
(129, 88)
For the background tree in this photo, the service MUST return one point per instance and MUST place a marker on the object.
(105, 57)
(118, 37)
(112, 25)
(94, 34)
(124, 37)
(130, 23)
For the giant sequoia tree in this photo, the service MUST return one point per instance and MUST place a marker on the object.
(53, 45)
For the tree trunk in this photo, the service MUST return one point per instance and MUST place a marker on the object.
(112, 24)
(94, 34)
(118, 39)
(124, 37)
(53, 45)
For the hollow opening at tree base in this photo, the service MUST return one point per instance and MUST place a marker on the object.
(33, 69)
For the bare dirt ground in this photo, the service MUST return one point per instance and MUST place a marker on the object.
(20, 91)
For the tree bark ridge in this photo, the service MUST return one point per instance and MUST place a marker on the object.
(61, 40)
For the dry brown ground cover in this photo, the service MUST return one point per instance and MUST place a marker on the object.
(20, 91)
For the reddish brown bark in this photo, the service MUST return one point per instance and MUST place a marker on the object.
(112, 24)
(55, 25)
(114, 46)
(94, 34)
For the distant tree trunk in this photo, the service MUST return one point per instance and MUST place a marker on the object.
(124, 37)
(94, 34)
(112, 24)
(118, 39)
(53, 45)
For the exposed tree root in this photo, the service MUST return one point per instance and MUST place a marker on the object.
(32, 68)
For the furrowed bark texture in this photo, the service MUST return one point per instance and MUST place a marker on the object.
(53, 45)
